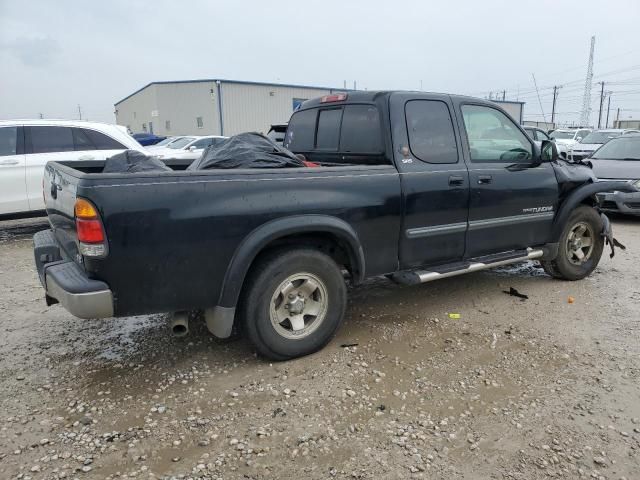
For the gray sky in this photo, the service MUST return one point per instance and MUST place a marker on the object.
(58, 54)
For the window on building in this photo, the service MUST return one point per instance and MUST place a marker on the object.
(144, 127)
(51, 139)
(167, 125)
(297, 102)
(431, 136)
(8, 141)
(199, 122)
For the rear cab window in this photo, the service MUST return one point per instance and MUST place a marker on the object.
(347, 134)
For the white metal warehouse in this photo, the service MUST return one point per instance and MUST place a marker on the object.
(211, 106)
(222, 107)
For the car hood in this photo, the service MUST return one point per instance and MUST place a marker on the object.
(586, 147)
(562, 141)
(617, 169)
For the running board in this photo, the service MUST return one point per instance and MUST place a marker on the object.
(475, 265)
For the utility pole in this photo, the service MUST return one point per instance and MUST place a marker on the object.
(504, 95)
(601, 103)
(606, 125)
(79, 112)
(553, 107)
(617, 124)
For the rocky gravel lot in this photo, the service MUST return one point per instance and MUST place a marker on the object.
(512, 389)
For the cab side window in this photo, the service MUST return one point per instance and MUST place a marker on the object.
(493, 137)
(431, 135)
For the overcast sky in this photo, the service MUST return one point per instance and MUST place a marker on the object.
(58, 54)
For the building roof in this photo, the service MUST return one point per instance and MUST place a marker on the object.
(241, 82)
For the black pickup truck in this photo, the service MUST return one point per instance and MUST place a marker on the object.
(411, 185)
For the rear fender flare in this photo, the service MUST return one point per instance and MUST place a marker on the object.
(263, 235)
(577, 196)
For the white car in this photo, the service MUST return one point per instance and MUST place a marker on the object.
(27, 145)
(163, 144)
(188, 147)
(595, 140)
(566, 138)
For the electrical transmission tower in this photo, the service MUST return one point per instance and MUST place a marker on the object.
(586, 101)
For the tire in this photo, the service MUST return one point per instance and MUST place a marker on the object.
(568, 265)
(318, 299)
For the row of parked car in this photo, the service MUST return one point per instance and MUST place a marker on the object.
(577, 143)
(27, 145)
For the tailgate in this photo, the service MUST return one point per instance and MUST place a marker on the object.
(60, 186)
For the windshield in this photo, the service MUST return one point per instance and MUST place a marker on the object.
(600, 137)
(165, 142)
(621, 148)
(560, 135)
(181, 142)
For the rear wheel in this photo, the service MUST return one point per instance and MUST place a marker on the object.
(580, 246)
(293, 303)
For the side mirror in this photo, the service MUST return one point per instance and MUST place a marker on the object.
(192, 148)
(578, 139)
(548, 151)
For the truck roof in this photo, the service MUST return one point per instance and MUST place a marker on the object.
(372, 96)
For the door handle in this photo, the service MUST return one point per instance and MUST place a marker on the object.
(484, 179)
(9, 162)
(456, 180)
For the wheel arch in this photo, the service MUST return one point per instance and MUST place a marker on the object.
(584, 195)
(297, 230)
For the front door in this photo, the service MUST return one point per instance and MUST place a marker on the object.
(13, 189)
(434, 178)
(512, 202)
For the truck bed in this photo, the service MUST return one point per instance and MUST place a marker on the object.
(176, 232)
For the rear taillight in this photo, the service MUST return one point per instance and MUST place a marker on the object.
(91, 238)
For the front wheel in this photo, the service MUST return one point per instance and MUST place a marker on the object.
(580, 246)
(293, 303)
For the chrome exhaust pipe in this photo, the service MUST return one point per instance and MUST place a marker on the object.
(180, 324)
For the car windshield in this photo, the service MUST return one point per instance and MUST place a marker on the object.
(560, 135)
(166, 142)
(621, 148)
(600, 137)
(181, 142)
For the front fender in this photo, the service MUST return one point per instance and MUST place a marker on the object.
(260, 237)
(577, 196)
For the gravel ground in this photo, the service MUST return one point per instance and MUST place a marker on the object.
(512, 389)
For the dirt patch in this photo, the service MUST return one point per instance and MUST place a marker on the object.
(513, 388)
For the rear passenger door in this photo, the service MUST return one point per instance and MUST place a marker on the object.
(13, 189)
(434, 177)
(512, 203)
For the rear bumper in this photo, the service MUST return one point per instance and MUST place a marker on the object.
(66, 283)
(622, 202)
